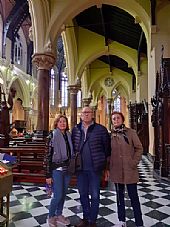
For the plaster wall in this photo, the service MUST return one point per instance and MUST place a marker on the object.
(142, 86)
(160, 35)
(88, 46)
(145, 5)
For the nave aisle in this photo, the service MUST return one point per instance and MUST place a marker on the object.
(29, 203)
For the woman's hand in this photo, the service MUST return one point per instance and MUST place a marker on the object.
(106, 175)
(49, 180)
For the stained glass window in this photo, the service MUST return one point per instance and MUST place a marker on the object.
(52, 88)
(79, 99)
(64, 91)
(116, 100)
(18, 52)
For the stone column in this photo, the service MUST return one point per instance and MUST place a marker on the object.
(86, 101)
(44, 63)
(109, 109)
(73, 89)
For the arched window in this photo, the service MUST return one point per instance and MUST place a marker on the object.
(52, 88)
(18, 51)
(116, 100)
(79, 99)
(117, 103)
(64, 91)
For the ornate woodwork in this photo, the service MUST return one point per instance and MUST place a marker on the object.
(161, 119)
(138, 119)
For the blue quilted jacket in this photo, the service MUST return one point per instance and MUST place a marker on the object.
(99, 144)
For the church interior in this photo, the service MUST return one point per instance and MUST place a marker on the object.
(58, 56)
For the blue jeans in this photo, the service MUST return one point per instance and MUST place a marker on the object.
(133, 195)
(60, 185)
(88, 183)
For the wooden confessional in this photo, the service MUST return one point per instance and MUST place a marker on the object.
(161, 119)
(138, 119)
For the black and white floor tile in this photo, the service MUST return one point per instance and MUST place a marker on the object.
(29, 203)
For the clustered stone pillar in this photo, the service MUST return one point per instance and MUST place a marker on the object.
(109, 109)
(73, 90)
(44, 63)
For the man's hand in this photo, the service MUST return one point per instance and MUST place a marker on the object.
(106, 175)
(49, 180)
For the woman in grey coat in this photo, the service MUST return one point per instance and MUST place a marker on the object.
(126, 152)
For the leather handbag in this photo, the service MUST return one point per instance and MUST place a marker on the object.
(75, 164)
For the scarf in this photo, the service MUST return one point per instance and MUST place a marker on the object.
(122, 130)
(60, 148)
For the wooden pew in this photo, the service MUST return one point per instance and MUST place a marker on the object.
(30, 164)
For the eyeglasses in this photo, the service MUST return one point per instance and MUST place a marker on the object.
(87, 112)
(116, 118)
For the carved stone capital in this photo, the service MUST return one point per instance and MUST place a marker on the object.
(44, 61)
(73, 89)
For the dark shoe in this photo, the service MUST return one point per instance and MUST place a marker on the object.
(92, 225)
(83, 223)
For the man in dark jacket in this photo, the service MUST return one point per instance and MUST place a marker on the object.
(92, 141)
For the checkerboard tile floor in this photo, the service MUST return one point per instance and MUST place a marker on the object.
(29, 203)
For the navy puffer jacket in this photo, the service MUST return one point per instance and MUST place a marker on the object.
(99, 144)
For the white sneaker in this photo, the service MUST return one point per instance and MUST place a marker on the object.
(121, 224)
(62, 221)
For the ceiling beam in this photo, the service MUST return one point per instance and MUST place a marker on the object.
(105, 35)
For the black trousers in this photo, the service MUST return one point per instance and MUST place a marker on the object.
(133, 195)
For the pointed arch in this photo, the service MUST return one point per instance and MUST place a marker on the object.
(68, 10)
(22, 89)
